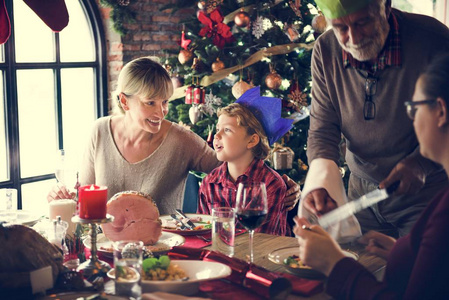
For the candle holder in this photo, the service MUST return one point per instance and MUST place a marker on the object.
(93, 266)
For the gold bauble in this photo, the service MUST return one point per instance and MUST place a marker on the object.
(242, 19)
(319, 23)
(240, 88)
(273, 80)
(218, 65)
(185, 56)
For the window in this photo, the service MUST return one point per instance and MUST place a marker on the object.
(52, 88)
(434, 8)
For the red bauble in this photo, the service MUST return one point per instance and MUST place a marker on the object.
(273, 80)
(242, 19)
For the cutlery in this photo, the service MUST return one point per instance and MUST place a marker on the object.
(175, 217)
(350, 208)
(189, 224)
(204, 238)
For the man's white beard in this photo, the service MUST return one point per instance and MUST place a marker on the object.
(369, 49)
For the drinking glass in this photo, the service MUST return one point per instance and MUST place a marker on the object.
(128, 266)
(251, 208)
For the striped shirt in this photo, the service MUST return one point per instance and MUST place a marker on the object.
(389, 56)
(218, 190)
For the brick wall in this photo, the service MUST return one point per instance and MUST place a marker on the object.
(153, 31)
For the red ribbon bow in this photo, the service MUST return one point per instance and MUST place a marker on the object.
(215, 28)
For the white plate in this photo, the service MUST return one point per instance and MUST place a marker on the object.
(196, 270)
(167, 241)
(22, 217)
(205, 218)
(278, 256)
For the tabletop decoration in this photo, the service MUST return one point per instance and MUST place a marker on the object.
(263, 282)
(92, 201)
(93, 267)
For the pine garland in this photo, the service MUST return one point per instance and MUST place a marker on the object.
(120, 14)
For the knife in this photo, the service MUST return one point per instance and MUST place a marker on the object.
(175, 217)
(353, 207)
(189, 224)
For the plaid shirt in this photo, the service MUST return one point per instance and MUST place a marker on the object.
(218, 190)
(389, 56)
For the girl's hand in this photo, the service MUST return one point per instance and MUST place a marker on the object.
(317, 248)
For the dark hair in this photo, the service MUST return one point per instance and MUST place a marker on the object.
(435, 78)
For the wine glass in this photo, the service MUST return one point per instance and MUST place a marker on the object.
(251, 208)
(65, 171)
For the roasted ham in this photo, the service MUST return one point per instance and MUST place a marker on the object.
(136, 217)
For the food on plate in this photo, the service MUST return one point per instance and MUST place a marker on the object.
(24, 250)
(162, 268)
(295, 262)
(136, 217)
(125, 273)
(178, 224)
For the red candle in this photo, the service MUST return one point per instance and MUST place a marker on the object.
(92, 201)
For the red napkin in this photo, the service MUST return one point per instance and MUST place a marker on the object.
(193, 241)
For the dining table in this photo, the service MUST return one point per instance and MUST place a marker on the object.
(264, 244)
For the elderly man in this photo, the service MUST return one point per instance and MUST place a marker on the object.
(363, 70)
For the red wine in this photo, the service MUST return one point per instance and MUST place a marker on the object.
(251, 219)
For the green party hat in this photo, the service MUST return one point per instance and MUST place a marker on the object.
(334, 9)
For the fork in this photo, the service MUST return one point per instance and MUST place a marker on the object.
(204, 238)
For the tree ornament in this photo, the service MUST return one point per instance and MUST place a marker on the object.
(292, 32)
(258, 28)
(202, 5)
(177, 81)
(242, 19)
(123, 2)
(296, 99)
(217, 65)
(319, 23)
(194, 114)
(198, 65)
(211, 103)
(240, 88)
(189, 94)
(295, 6)
(168, 67)
(199, 94)
(215, 28)
(185, 56)
(211, 5)
(273, 80)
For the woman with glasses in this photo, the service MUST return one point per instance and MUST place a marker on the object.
(418, 263)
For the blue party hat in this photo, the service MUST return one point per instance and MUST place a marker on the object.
(267, 111)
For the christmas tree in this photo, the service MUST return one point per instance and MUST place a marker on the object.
(229, 46)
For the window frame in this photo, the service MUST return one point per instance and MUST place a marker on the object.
(9, 68)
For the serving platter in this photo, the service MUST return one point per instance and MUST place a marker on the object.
(196, 271)
(206, 220)
(167, 241)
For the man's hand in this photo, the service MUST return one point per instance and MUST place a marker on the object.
(410, 174)
(319, 202)
(377, 243)
(293, 193)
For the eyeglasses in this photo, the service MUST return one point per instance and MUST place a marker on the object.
(369, 109)
(411, 109)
